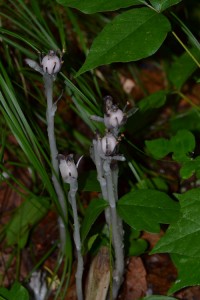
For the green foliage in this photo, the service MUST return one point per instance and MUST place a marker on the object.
(17, 291)
(146, 209)
(26, 216)
(153, 101)
(131, 36)
(137, 247)
(90, 6)
(190, 167)
(183, 68)
(181, 145)
(157, 297)
(182, 239)
(190, 120)
(88, 182)
(96, 207)
(160, 5)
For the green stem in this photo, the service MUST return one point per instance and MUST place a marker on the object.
(186, 49)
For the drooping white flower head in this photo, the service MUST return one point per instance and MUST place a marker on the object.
(108, 144)
(113, 116)
(67, 168)
(51, 63)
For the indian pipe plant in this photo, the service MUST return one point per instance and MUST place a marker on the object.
(77, 132)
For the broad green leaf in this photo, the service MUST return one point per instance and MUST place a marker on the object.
(188, 272)
(190, 167)
(158, 148)
(25, 217)
(161, 5)
(146, 209)
(91, 6)
(158, 297)
(182, 144)
(4, 294)
(183, 68)
(153, 101)
(137, 247)
(17, 291)
(183, 237)
(153, 183)
(93, 211)
(131, 36)
(88, 182)
(189, 120)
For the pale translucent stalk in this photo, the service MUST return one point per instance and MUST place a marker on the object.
(116, 229)
(77, 240)
(100, 175)
(50, 114)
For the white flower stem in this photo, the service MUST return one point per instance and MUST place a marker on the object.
(116, 228)
(50, 114)
(77, 239)
(100, 176)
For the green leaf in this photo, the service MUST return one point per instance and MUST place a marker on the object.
(183, 237)
(17, 291)
(132, 35)
(146, 209)
(190, 167)
(153, 101)
(158, 297)
(189, 120)
(91, 6)
(93, 211)
(88, 182)
(158, 148)
(182, 144)
(183, 68)
(137, 247)
(161, 5)
(25, 217)
(4, 294)
(188, 272)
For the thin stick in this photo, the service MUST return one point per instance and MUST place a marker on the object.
(50, 114)
(186, 49)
